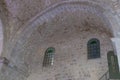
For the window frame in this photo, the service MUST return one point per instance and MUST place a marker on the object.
(93, 48)
(49, 57)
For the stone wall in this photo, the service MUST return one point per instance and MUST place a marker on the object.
(26, 39)
(70, 61)
(15, 14)
(69, 35)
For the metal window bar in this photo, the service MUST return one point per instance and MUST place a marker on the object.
(49, 57)
(93, 48)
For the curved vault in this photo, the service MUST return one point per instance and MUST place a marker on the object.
(69, 14)
(90, 13)
(65, 25)
(68, 6)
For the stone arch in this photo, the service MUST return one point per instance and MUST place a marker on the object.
(56, 9)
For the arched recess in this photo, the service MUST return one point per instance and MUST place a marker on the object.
(50, 13)
(70, 6)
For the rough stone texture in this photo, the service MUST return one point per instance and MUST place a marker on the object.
(8, 73)
(66, 26)
(16, 13)
(69, 36)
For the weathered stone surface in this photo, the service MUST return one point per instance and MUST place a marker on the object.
(69, 36)
(31, 26)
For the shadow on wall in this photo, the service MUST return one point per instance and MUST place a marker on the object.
(1, 37)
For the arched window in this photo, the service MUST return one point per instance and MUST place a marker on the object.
(93, 48)
(49, 56)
